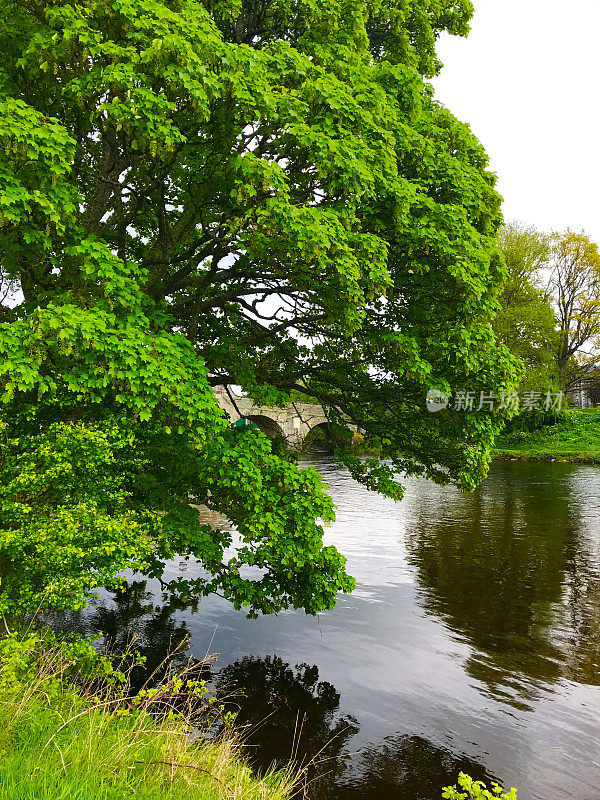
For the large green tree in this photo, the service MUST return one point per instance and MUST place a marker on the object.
(229, 191)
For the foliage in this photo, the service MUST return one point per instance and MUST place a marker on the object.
(25, 653)
(529, 420)
(64, 741)
(575, 438)
(80, 505)
(468, 789)
(198, 193)
(526, 252)
(526, 323)
(575, 290)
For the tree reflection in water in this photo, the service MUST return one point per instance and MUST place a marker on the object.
(133, 618)
(499, 567)
(287, 713)
(406, 768)
(290, 713)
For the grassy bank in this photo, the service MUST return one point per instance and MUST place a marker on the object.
(59, 741)
(577, 439)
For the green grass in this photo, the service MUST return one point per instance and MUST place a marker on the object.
(576, 439)
(60, 743)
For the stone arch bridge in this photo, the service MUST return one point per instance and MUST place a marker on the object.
(292, 422)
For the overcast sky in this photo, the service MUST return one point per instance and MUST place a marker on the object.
(527, 81)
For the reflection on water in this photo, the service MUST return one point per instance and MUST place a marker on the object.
(132, 618)
(406, 768)
(513, 571)
(288, 710)
(472, 642)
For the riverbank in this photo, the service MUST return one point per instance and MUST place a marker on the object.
(575, 440)
(63, 739)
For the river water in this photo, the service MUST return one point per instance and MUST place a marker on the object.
(471, 642)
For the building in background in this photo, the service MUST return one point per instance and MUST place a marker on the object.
(585, 393)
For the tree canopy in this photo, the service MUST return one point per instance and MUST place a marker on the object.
(257, 192)
(527, 323)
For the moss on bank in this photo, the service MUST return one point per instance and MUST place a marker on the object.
(63, 742)
(576, 439)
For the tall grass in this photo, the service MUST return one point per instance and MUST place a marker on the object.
(63, 741)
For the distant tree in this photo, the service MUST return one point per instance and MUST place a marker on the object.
(526, 252)
(526, 323)
(574, 288)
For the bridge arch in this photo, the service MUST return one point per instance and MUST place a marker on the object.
(319, 436)
(324, 434)
(267, 425)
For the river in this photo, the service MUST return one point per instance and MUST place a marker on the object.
(471, 642)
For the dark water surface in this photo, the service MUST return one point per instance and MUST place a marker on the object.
(472, 642)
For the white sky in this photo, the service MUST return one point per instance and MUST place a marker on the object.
(527, 81)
